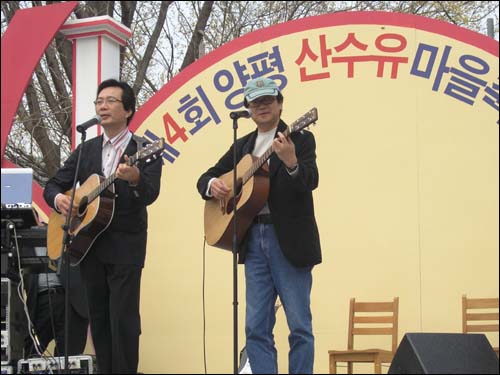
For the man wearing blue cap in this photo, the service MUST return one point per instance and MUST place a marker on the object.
(282, 245)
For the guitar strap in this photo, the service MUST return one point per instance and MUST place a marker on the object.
(139, 141)
(140, 145)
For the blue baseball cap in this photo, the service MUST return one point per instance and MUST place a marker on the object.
(258, 87)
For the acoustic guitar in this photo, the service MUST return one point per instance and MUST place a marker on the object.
(252, 191)
(95, 202)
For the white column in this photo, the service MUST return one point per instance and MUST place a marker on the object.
(96, 57)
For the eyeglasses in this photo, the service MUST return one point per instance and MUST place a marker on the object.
(264, 100)
(109, 100)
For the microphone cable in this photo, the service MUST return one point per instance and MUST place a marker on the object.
(203, 308)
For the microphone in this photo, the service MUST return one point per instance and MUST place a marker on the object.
(87, 124)
(245, 113)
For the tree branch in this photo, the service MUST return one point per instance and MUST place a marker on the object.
(197, 36)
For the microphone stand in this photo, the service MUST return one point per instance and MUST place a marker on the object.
(64, 258)
(235, 250)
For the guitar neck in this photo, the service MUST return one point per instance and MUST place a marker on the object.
(261, 160)
(108, 181)
(305, 120)
(102, 186)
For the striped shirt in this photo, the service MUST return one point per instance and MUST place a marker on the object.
(112, 150)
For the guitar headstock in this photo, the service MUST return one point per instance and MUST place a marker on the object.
(151, 151)
(305, 120)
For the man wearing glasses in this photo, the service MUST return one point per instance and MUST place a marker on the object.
(111, 270)
(282, 245)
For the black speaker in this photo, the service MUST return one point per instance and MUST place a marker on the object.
(444, 353)
(14, 327)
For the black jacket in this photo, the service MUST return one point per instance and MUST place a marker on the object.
(124, 241)
(290, 198)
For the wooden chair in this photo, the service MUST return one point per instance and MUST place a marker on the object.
(368, 324)
(483, 319)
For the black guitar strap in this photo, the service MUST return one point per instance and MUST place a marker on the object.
(140, 141)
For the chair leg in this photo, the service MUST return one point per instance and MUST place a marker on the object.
(378, 367)
(349, 367)
(333, 366)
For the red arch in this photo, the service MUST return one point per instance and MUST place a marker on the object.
(23, 44)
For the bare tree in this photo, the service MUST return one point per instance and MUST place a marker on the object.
(193, 48)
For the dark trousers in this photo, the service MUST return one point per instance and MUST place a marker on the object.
(49, 324)
(113, 292)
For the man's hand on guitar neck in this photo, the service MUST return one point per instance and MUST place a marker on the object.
(128, 173)
(285, 149)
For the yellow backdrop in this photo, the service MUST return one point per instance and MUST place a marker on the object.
(407, 203)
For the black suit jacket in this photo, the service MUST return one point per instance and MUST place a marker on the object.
(290, 198)
(124, 241)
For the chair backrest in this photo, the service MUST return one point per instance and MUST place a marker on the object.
(373, 318)
(479, 315)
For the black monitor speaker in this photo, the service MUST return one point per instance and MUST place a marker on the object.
(444, 353)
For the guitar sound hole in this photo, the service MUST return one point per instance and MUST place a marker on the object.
(82, 208)
(230, 203)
